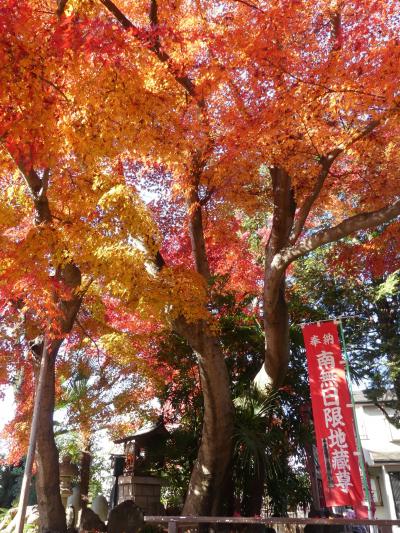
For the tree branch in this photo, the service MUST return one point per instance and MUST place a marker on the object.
(252, 6)
(305, 209)
(335, 233)
(196, 226)
(61, 4)
(184, 80)
(38, 189)
(99, 352)
(52, 84)
(326, 163)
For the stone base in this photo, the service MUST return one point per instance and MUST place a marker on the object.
(145, 491)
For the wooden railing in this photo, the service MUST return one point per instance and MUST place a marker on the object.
(192, 522)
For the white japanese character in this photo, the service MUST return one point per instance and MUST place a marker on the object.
(326, 361)
(315, 340)
(328, 338)
(328, 379)
(337, 437)
(343, 480)
(333, 417)
(340, 459)
(330, 397)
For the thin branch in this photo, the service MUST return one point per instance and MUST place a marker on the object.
(84, 290)
(326, 163)
(390, 418)
(156, 47)
(184, 80)
(99, 352)
(305, 209)
(310, 137)
(252, 6)
(52, 84)
(122, 19)
(76, 428)
(321, 85)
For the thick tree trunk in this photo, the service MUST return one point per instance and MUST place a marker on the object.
(211, 471)
(276, 327)
(276, 317)
(51, 510)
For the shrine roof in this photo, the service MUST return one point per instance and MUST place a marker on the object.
(145, 433)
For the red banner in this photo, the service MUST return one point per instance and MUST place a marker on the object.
(333, 417)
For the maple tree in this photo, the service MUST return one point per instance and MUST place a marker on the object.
(42, 284)
(296, 124)
(302, 123)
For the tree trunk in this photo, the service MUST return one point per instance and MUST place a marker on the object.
(86, 460)
(211, 471)
(276, 317)
(51, 510)
(276, 327)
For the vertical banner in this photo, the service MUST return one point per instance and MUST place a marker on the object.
(333, 417)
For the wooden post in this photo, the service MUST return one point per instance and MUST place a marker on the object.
(26, 481)
(172, 527)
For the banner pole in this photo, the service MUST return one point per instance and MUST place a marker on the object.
(358, 439)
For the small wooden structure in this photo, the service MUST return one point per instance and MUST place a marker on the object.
(133, 471)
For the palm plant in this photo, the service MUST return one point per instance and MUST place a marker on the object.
(254, 458)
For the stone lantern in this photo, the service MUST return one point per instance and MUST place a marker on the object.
(67, 472)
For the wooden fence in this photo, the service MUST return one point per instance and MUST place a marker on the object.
(175, 523)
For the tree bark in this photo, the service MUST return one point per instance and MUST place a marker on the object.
(276, 317)
(86, 460)
(211, 470)
(51, 510)
(276, 327)
(30, 456)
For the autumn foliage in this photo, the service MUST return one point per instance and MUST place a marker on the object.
(167, 152)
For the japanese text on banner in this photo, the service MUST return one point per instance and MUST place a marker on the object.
(333, 418)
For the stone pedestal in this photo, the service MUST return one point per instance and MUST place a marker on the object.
(145, 491)
(67, 472)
